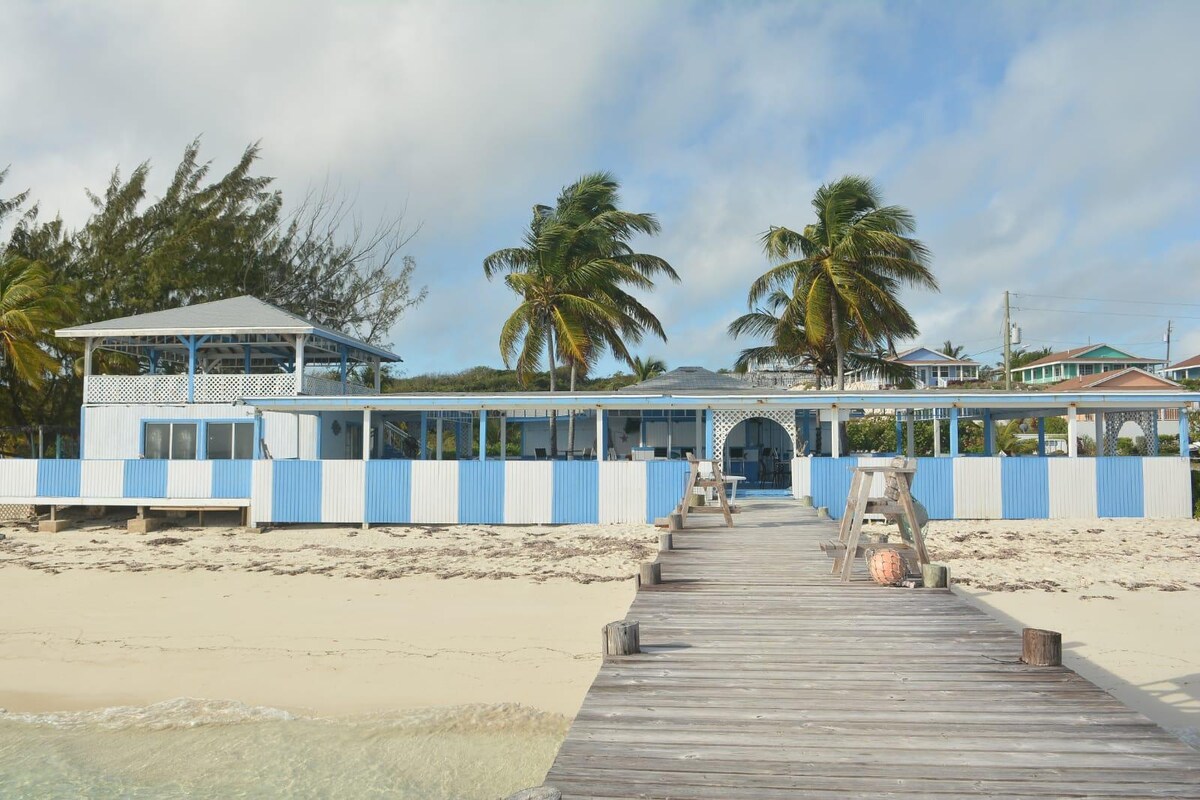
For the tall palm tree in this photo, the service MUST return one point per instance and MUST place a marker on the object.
(574, 275)
(31, 307)
(848, 268)
(951, 349)
(646, 368)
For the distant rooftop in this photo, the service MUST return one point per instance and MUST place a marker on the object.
(691, 380)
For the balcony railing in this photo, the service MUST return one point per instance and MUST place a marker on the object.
(223, 388)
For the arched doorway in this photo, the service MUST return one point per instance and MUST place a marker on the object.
(760, 449)
(1114, 421)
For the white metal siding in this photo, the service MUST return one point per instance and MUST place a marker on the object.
(189, 479)
(115, 431)
(878, 481)
(977, 488)
(343, 491)
(101, 478)
(261, 492)
(1166, 483)
(529, 492)
(1072, 488)
(435, 492)
(18, 477)
(622, 491)
(801, 477)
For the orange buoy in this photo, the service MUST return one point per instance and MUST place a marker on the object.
(886, 567)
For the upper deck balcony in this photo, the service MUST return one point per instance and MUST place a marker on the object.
(221, 352)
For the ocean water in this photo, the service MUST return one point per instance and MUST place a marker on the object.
(207, 749)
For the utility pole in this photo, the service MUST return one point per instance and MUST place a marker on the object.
(1007, 344)
(1168, 340)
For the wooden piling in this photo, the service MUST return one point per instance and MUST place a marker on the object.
(935, 576)
(651, 573)
(664, 542)
(806, 501)
(822, 512)
(1041, 648)
(675, 521)
(621, 639)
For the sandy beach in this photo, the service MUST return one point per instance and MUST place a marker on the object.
(1125, 594)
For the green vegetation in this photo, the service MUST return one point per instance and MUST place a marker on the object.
(574, 275)
(488, 380)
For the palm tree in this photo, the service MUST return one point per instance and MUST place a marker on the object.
(31, 307)
(848, 268)
(646, 368)
(951, 349)
(574, 275)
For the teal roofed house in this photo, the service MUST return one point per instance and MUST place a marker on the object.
(1091, 359)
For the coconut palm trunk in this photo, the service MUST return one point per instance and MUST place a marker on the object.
(553, 413)
(571, 416)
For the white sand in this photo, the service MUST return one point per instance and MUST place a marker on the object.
(1123, 592)
(328, 621)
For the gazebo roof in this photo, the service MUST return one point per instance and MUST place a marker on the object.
(236, 316)
(697, 379)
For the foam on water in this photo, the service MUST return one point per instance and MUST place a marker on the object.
(209, 749)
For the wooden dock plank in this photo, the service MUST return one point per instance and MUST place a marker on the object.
(763, 676)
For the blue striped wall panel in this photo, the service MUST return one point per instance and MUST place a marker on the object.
(664, 487)
(231, 478)
(576, 493)
(145, 478)
(296, 491)
(933, 487)
(389, 491)
(481, 492)
(1025, 487)
(58, 478)
(831, 483)
(1119, 487)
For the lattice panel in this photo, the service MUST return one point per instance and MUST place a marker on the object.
(725, 421)
(1115, 420)
(226, 388)
(315, 385)
(136, 388)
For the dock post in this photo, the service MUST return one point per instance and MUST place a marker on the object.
(935, 576)
(1040, 648)
(665, 542)
(822, 512)
(621, 639)
(651, 572)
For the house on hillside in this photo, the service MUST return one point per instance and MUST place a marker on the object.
(1187, 369)
(1106, 428)
(930, 370)
(1092, 359)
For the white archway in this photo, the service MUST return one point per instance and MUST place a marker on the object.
(725, 421)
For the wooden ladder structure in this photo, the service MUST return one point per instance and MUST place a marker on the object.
(896, 506)
(702, 476)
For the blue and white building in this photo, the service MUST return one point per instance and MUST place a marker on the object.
(929, 369)
(237, 403)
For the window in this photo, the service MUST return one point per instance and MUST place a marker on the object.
(228, 440)
(173, 440)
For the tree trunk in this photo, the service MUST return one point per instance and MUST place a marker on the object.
(839, 347)
(553, 413)
(571, 418)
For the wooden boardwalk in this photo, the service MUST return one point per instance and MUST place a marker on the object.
(763, 677)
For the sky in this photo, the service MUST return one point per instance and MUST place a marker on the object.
(1048, 149)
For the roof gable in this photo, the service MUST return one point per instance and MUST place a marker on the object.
(1194, 361)
(925, 355)
(1130, 378)
(1090, 352)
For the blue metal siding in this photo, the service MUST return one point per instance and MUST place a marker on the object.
(145, 478)
(389, 491)
(933, 487)
(231, 478)
(481, 492)
(664, 487)
(58, 478)
(1025, 487)
(1119, 486)
(296, 491)
(831, 483)
(576, 494)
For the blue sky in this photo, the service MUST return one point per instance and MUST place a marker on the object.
(1044, 148)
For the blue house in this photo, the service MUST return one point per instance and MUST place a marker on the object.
(929, 369)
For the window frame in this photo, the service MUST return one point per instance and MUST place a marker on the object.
(202, 436)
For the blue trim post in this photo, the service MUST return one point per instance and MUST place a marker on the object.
(153, 361)
(601, 435)
(899, 434)
(954, 432)
(710, 435)
(1041, 436)
(1184, 434)
(989, 431)
(246, 357)
(258, 435)
(190, 341)
(482, 434)
(424, 442)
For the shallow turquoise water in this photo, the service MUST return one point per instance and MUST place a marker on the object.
(204, 749)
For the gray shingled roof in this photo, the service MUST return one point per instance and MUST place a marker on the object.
(692, 380)
(236, 315)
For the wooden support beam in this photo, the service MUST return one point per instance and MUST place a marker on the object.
(651, 573)
(621, 639)
(1041, 648)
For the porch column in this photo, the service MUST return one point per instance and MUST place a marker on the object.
(438, 433)
(1184, 434)
(954, 432)
(1041, 436)
(191, 382)
(899, 434)
(378, 375)
(1101, 434)
(301, 339)
(482, 434)
(366, 434)
(246, 358)
(989, 433)
(504, 436)
(937, 435)
(710, 435)
(699, 432)
(601, 435)
(835, 433)
(910, 444)
(1072, 431)
(87, 373)
(344, 367)
(423, 443)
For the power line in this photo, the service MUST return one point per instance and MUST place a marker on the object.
(1102, 313)
(1101, 300)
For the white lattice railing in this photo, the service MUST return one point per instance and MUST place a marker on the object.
(135, 389)
(314, 385)
(227, 388)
